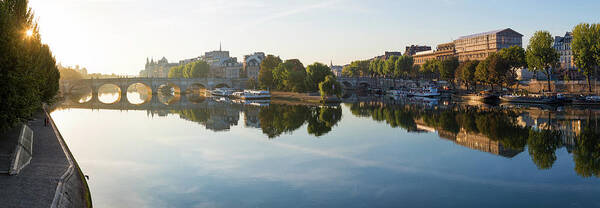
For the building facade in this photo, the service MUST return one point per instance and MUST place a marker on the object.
(567, 64)
(414, 49)
(480, 46)
(159, 68)
(444, 51)
(252, 63)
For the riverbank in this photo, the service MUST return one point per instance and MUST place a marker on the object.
(52, 179)
(294, 96)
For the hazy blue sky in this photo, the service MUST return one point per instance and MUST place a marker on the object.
(116, 36)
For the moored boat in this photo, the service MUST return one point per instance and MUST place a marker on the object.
(427, 92)
(589, 100)
(253, 95)
(222, 92)
(529, 99)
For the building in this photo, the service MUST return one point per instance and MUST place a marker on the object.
(389, 54)
(336, 70)
(252, 63)
(157, 69)
(567, 65)
(444, 51)
(480, 46)
(414, 49)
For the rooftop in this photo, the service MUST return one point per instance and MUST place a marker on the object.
(488, 33)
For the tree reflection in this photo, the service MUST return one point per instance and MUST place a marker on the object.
(322, 121)
(542, 147)
(587, 151)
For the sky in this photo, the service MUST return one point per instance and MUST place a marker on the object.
(116, 36)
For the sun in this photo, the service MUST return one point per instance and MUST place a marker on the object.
(29, 33)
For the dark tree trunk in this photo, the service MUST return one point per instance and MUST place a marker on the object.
(548, 79)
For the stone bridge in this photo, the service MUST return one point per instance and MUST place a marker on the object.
(176, 102)
(181, 85)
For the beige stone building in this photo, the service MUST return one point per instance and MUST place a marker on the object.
(480, 46)
(444, 51)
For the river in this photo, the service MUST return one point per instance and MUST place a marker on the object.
(366, 152)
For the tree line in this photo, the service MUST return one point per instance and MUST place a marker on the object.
(292, 76)
(28, 72)
(498, 69)
(197, 69)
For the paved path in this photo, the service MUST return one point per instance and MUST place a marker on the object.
(36, 185)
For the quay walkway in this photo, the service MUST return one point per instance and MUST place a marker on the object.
(52, 178)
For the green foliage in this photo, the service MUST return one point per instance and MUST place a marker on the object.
(541, 55)
(515, 59)
(28, 72)
(404, 66)
(466, 72)
(290, 76)
(586, 49)
(265, 75)
(448, 68)
(197, 69)
(315, 74)
(356, 69)
(176, 71)
(431, 68)
(493, 70)
(330, 87)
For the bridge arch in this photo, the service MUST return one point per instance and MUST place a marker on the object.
(347, 84)
(109, 93)
(138, 93)
(364, 85)
(176, 89)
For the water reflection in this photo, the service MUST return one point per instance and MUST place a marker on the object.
(499, 130)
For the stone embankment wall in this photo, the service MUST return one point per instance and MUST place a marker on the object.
(576, 87)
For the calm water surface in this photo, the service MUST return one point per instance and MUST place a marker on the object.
(197, 152)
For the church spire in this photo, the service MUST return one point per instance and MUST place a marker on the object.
(220, 49)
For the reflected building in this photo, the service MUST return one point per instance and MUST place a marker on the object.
(483, 143)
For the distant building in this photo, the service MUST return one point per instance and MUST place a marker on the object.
(252, 63)
(413, 49)
(389, 54)
(567, 65)
(444, 51)
(480, 46)
(337, 70)
(157, 69)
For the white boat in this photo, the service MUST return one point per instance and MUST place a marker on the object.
(592, 98)
(253, 95)
(397, 93)
(427, 92)
(222, 92)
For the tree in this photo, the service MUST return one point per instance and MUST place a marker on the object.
(315, 74)
(586, 49)
(448, 68)
(431, 68)
(497, 70)
(481, 72)
(466, 72)
(541, 55)
(28, 71)
(199, 69)
(515, 59)
(389, 66)
(265, 75)
(404, 65)
(176, 72)
(329, 87)
(351, 70)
